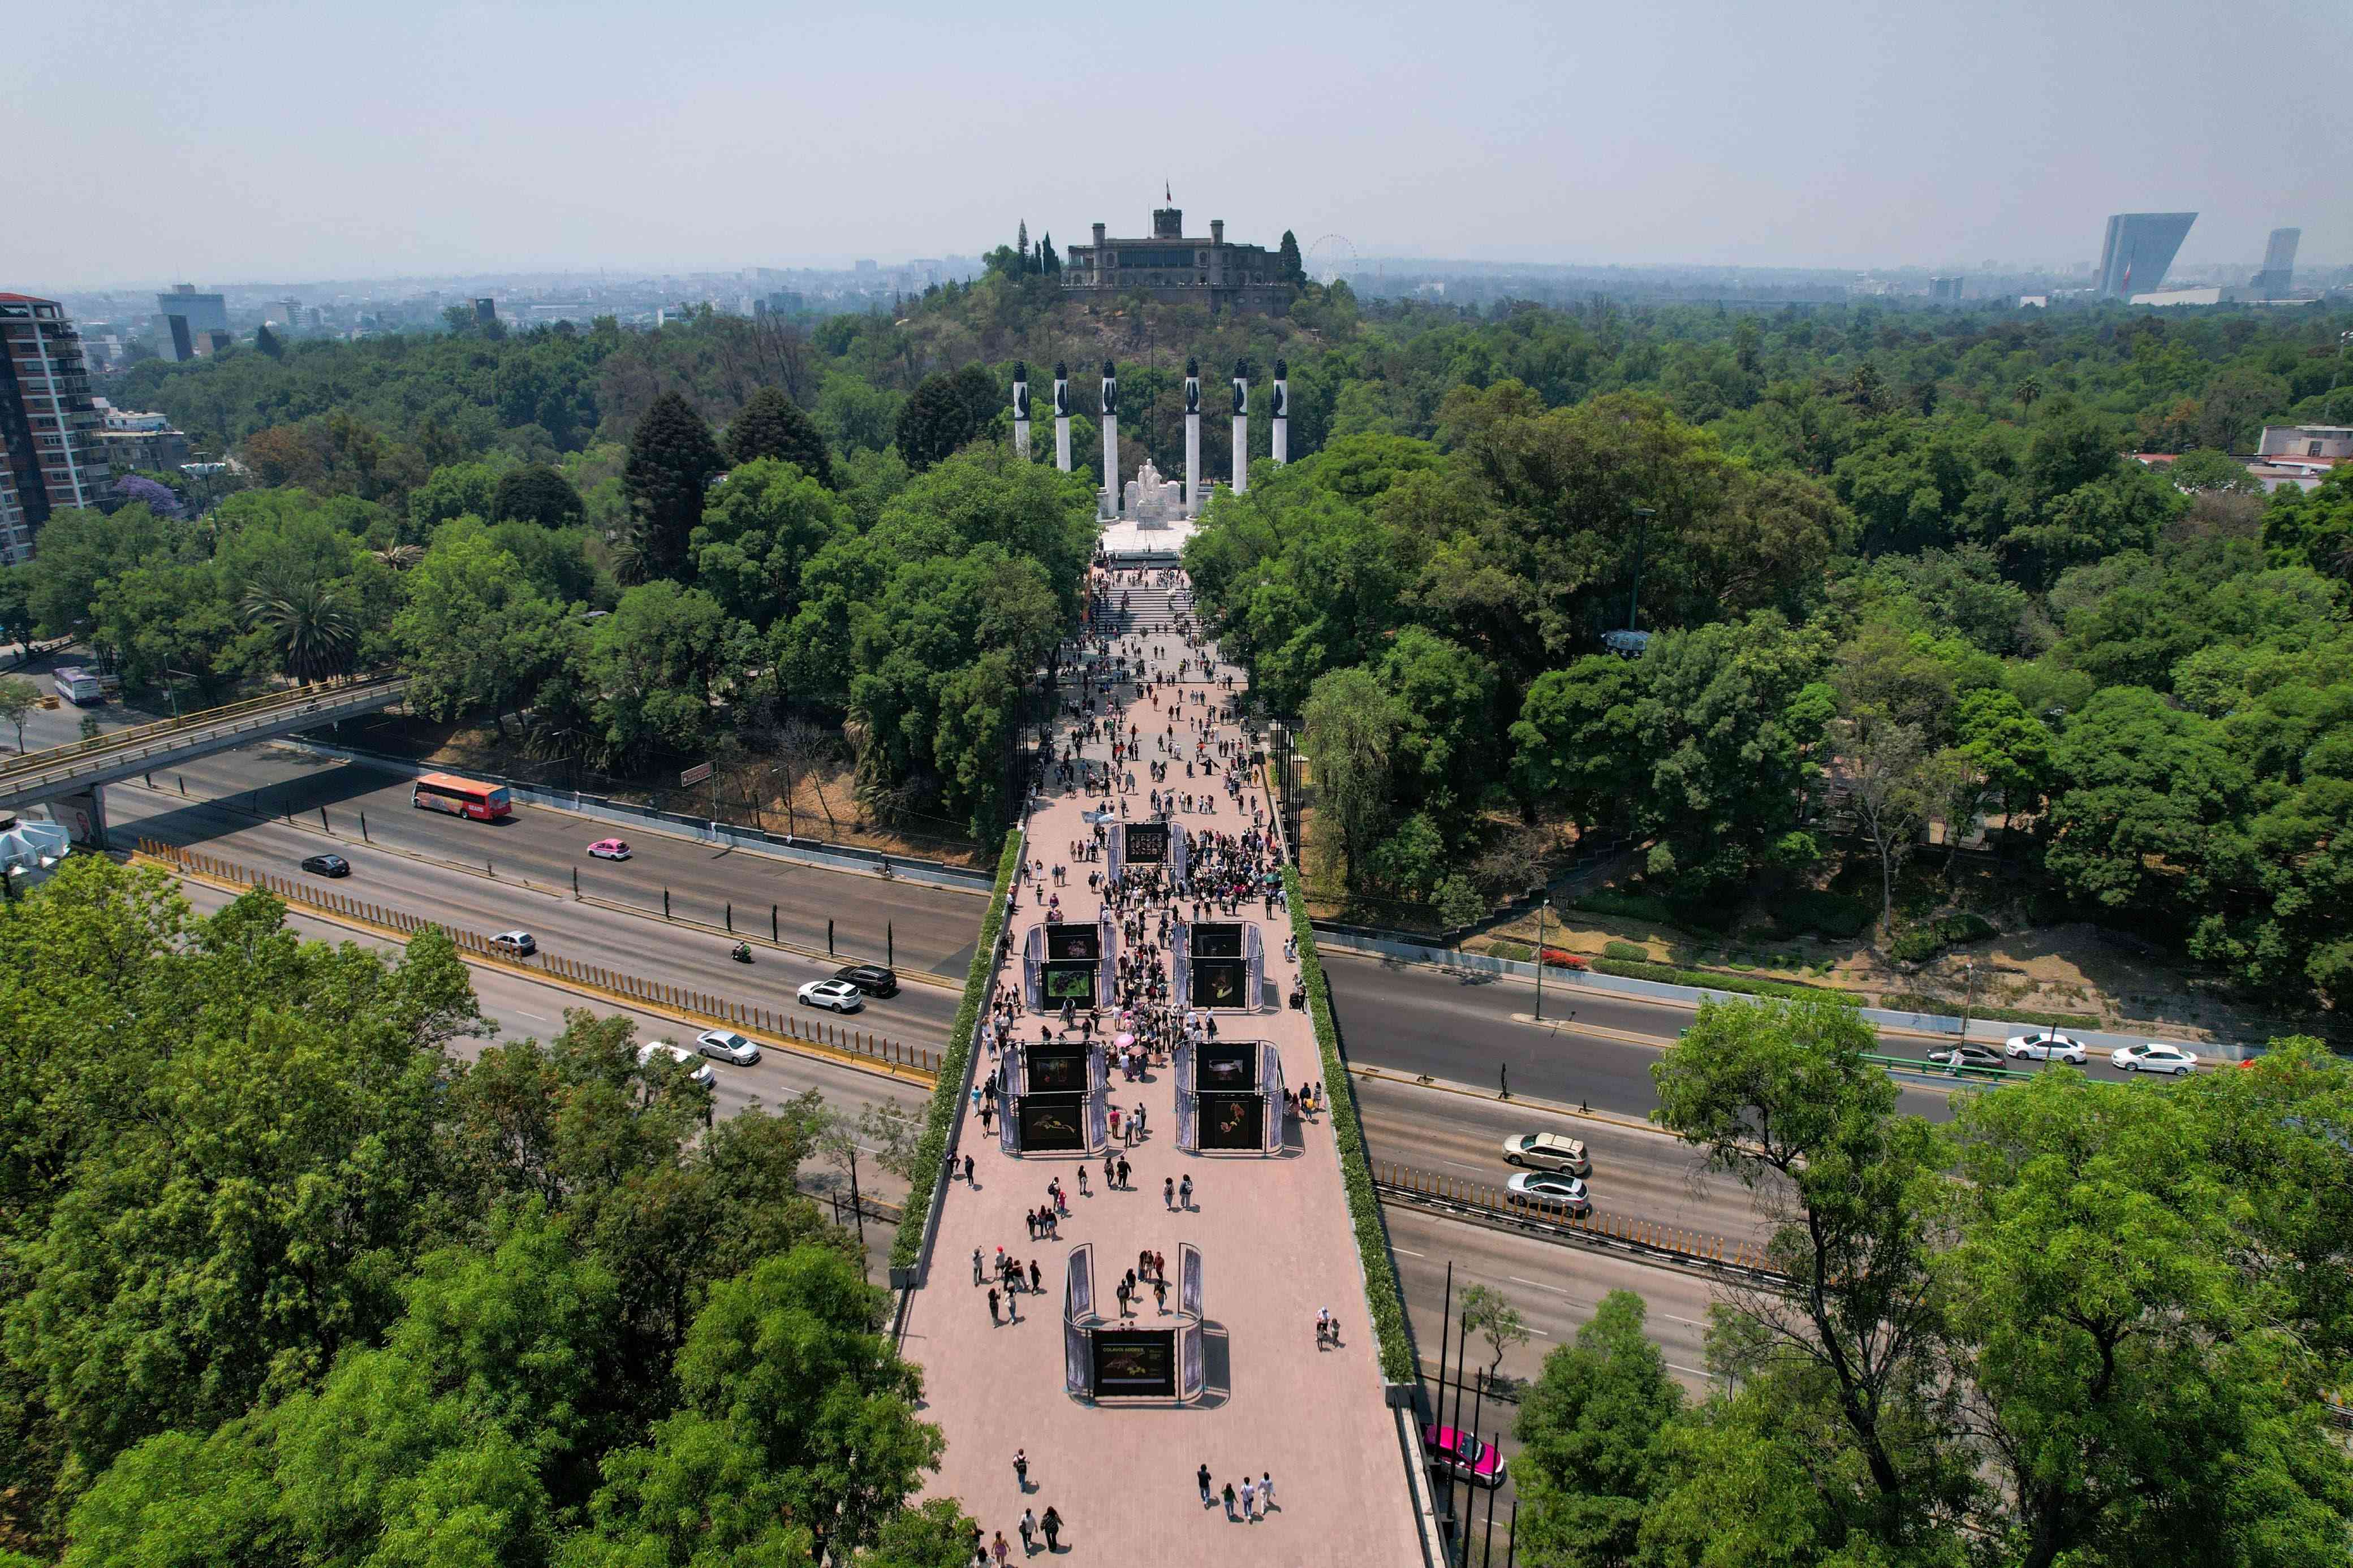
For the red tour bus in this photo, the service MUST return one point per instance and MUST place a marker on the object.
(461, 797)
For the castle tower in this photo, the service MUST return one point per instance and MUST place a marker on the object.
(1242, 428)
(1281, 414)
(1192, 437)
(1061, 416)
(1021, 410)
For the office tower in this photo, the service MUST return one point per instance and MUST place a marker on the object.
(50, 454)
(2140, 248)
(2279, 265)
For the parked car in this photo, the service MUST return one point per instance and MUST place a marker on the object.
(872, 978)
(699, 1071)
(327, 865)
(727, 1046)
(1471, 1458)
(521, 943)
(609, 849)
(1548, 1151)
(837, 994)
(1967, 1055)
(2044, 1047)
(1548, 1187)
(2155, 1056)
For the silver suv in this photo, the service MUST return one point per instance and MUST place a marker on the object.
(1548, 1151)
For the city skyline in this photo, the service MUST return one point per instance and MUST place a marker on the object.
(734, 136)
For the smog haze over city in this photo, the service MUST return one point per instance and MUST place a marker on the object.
(244, 142)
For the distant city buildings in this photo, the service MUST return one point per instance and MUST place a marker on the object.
(1170, 268)
(1945, 290)
(2140, 250)
(195, 323)
(51, 455)
(132, 440)
(2279, 265)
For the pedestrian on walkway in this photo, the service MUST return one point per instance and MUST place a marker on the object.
(1185, 1193)
(1123, 1172)
(992, 1305)
(1082, 1182)
(1029, 1529)
(1167, 1198)
(1021, 1469)
(1052, 1524)
(1111, 1172)
(1160, 1295)
(975, 1266)
(1203, 1477)
(1266, 1491)
(1250, 1500)
(967, 1172)
(1228, 1495)
(998, 1549)
(1033, 1276)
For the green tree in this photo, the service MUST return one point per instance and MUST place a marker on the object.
(758, 536)
(1593, 1431)
(537, 493)
(1351, 728)
(2145, 808)
(673, 460)
(309, 627)
(773, 425)
(18, 697)
(475, 636)
(936, 422)
(1286, 255)
(659, 665)
(1489, 1314)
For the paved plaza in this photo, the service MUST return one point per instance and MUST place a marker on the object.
(1276, 1247)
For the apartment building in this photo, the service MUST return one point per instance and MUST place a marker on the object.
(50, 451)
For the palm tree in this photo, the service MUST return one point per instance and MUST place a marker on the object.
(313, 632)
(632, 561)
(2029, 391)
(400, 557)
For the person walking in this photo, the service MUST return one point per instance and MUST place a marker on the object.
(1029, 1529)
(1203, 1477)
(1160, 1295)
(1185, 1193)
(1250, 1500)
(1021, 1469)
(1052, 1524)
(1122, 1173)
(992, 1305)
(1266, 1491)
(967, 1171)
(1228, 1495)
(999, 1549)
(1167, 1198)
(975, 1266)
(1033, 1276)
(1111, 1172)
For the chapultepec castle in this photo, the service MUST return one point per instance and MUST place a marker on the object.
(1173, 269)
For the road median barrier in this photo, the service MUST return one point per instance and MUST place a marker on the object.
(1493, 1205)
(764, 1026)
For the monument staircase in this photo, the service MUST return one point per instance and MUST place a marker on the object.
(1148, 609)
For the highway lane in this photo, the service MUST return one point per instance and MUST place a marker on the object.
(633, 943)
(1419, 1018)
(919, 927)
(1637, 1173)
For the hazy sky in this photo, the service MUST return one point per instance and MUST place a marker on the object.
(222, 142)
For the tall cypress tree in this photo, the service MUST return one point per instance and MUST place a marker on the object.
(1294, 272)
(673, 458)
(773, 425)
(1046, 252)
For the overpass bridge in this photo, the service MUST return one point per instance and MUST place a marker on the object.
(70, 779)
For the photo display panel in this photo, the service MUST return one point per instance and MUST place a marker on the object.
(1070, 980)
(1228, 1065)
(1233, 1122)
(1136, 1362)
(1147, 843)
(1219, 983)
(1052, 1122)
(1056, 1068)
(1216, 939)
(1075, 940)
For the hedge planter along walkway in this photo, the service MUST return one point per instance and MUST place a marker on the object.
(947, 1095)
(1384, 1301)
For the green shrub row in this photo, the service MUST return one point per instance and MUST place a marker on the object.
(1383, 1299)
(1668, 974)
(1627, 906)
(1925, 941)
(1625, 952)
(1912, 1001)
(947, 1095)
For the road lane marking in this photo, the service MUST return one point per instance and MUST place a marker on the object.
(1463, 1165)
(534, 1018)
(1409, 1251)
(1693, 1322)
(1537, 1283)
(1696, 1372)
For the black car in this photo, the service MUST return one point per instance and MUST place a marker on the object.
(327, 865)
(871, 978)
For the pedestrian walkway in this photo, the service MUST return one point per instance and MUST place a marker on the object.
(1275, 1233)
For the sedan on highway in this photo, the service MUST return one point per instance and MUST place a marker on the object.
(1548, 1187)
(837, 994)
(609, 849)
(700, 1071)
(327, 865)
(1469, 1457)
(727, 1046)
(872, 978)
(515, 943)
(1969, 1056)
(1548, 1151)
(2044, 1047)
(2154, 1057)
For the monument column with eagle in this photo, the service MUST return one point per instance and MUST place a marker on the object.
(1021, 410)
(1061, 416)
(1242, 428)
(1192, 437)
(1111, 440)
(1282, 412)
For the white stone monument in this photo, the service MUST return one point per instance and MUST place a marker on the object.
(1062, 417)
(1192, 437)
(1242, 428)
(1282, 412)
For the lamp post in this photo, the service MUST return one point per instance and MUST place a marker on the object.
(1541, 909)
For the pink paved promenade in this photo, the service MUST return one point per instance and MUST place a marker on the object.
(1276, 1246)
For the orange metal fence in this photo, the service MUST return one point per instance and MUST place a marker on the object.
(1405, 1181)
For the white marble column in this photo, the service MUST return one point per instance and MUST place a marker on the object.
(1281, 414)
(1062, 418)
(1242, 431)
(1021, 411)
(1192, 438)
(1111, 440)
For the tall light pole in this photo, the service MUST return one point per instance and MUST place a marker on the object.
(1541, 909)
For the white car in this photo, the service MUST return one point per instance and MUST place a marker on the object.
(1548, 1151)
(1547, 1187)
(727, 1046)
(698, 1069)
(518, 944)
(2044, 1047)
(839, 995)
(2154, 1057)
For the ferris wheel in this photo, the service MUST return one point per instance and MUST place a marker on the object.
(1330, 257)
